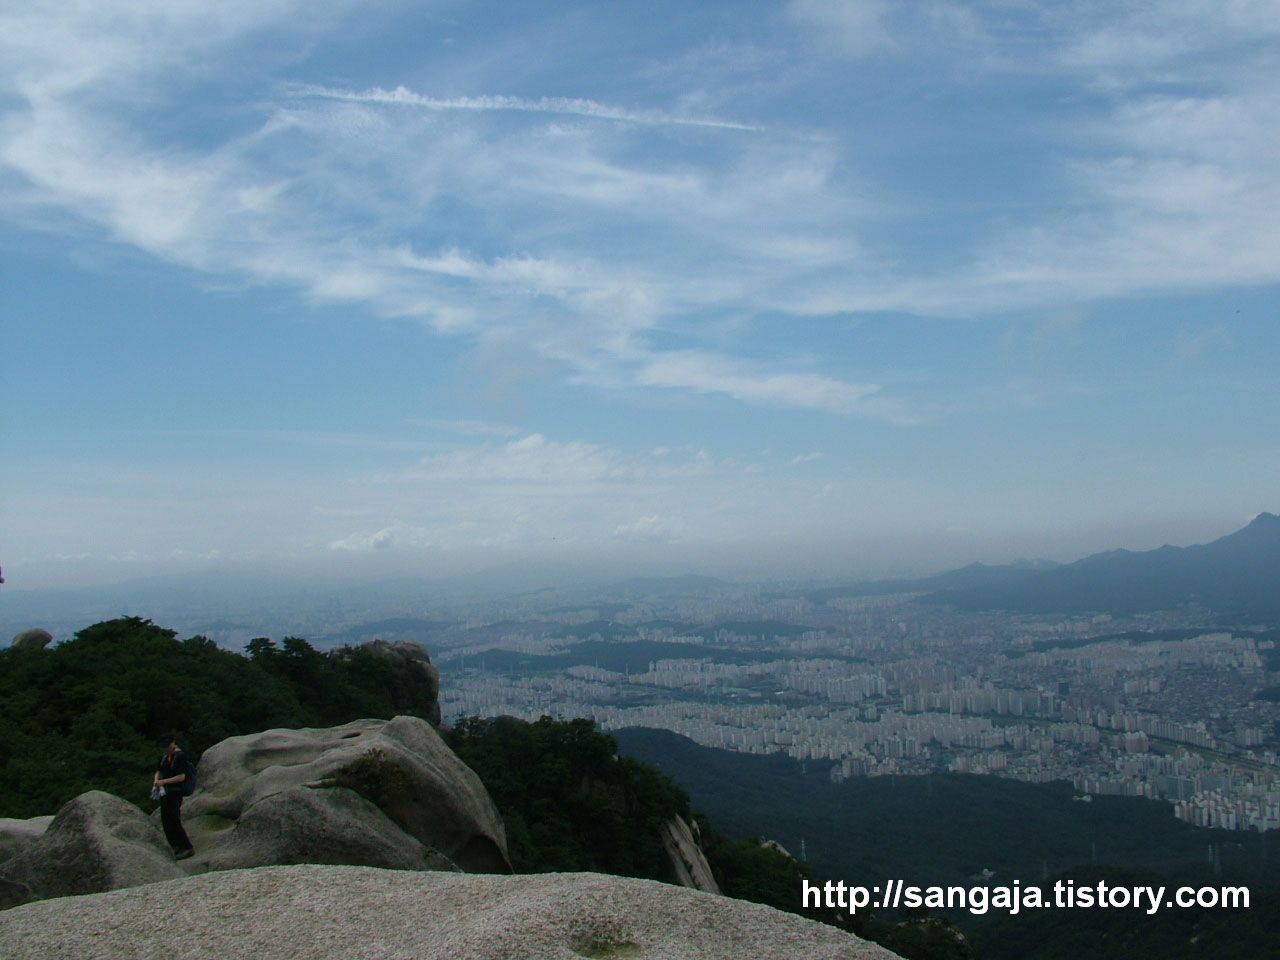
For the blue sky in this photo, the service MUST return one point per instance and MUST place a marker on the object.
(805, 288)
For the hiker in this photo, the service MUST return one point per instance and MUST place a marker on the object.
(166, 786)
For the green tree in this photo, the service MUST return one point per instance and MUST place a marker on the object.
(568, 801)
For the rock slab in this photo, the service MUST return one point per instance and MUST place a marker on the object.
(16, 834)
(685, 859)
(361, 913)
(96, 842)
(381, 793)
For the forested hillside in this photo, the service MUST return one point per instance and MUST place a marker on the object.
(947, 829)
(85, 714)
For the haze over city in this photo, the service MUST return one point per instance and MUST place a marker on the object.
(806, 289)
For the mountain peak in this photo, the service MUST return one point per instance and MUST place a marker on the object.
(1234, 575)
(1262, 529)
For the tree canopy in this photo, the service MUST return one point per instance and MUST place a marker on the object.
(85, 714)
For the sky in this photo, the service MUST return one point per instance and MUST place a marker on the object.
(794, 289)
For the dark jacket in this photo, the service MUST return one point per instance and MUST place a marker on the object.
(171, 767)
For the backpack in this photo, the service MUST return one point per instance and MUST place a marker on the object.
(189, 784)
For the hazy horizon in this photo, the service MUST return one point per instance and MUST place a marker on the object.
(750, 562)
(801, 291)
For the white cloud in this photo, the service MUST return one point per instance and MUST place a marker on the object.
(383, 539)
(1131, 43)
(708, 373)
(651, 529)
(533, 492)
(291, 201)
(531, 459)
(613, 233)
(853, 27)
(1158, 171)
(535, 461)
(573, 106)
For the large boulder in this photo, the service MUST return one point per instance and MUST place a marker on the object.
(412, 657)
(16, 834)
(302, 825)
(96, 842)
(373, 792)
(325, 913)
(35, 638)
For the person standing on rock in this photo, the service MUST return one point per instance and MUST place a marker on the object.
(167, 782)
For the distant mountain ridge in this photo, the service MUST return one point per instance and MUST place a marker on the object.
(1236, 576)
(975, 575)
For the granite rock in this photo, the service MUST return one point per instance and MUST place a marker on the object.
(386, 793)
(34, 638)
(96, 842)
(361, 913)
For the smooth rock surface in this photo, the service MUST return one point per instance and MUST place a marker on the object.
(282, 796)
(16, 834)
(688, 863)
(303, 825)
(360, 913)
(96, 842)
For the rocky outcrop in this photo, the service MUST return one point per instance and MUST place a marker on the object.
(35, 638)
(16, 834)
(96, 842)
(412, 656)
(776, 847)
(318, 913)
(685, 858)
(373, 792)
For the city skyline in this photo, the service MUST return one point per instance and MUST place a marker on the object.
(814, 289)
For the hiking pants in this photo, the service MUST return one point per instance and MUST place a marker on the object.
(171, 820)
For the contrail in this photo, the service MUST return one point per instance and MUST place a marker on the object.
(564, 105)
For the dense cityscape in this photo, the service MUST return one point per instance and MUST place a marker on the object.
(1157, 705)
